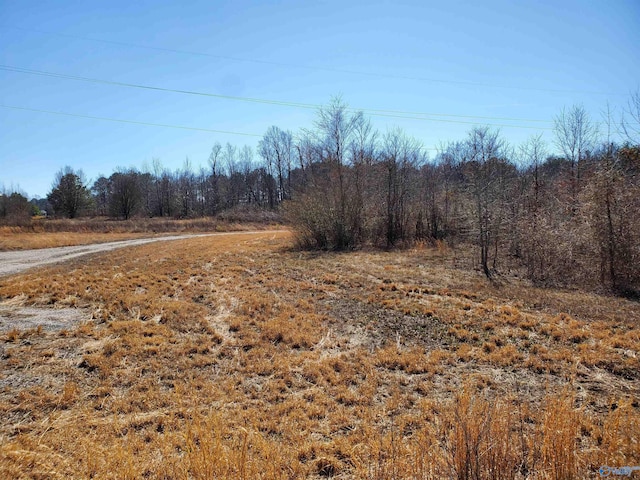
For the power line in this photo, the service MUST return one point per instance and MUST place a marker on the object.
(373, 112)
(130, 121)
(443, 120)
(149, 87)
(311, 67)
(135, 122)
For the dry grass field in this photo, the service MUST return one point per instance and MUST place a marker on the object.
(239, 358)
(45, 233)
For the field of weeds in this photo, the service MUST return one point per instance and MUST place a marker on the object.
(238, 357)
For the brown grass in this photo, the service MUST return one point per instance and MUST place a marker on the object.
(47, 233)
(236, 357)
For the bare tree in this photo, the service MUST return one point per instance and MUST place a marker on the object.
(229, 155)
(186, 189)
(124, 193)
(308, 154)
(486, 172)
(335, 127)
(450, 160)
(276, 149)
(613, 206)
(246, 167)
(631, 119)
(363, 151)
(100, 191)
(203, 188)
(400, 157)
(156, 169)
(533, 153)
(575, 135)
(167, 188)
(214, 193)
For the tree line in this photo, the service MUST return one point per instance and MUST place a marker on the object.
(568, 219)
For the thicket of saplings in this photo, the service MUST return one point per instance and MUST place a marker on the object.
(571, 220)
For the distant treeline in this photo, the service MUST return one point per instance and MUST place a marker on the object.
(572, 219)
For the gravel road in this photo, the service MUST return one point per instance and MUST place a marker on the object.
(16, 262)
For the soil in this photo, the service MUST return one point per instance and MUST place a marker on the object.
(50, 319)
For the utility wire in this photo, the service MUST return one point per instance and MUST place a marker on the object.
(129, 121)
(164, 125)
(310, 67)
(149, 87)
(373, 112)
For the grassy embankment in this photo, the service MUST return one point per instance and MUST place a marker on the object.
(238, 357)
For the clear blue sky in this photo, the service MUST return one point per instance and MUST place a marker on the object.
(496, 59)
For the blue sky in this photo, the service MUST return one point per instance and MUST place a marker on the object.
(456, 61)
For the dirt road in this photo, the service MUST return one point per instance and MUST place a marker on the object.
(18, 261)
(14, 314)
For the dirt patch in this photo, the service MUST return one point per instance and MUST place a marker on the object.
(368, 325)
(50, 319)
